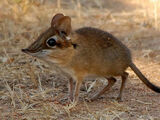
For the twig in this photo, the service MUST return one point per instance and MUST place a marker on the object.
(141, 102)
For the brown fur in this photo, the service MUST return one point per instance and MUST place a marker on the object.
(97, 48)
(89, 52)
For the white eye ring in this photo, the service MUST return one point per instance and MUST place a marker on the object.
(51, 42)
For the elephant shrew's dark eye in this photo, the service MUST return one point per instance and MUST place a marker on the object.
(51, 42)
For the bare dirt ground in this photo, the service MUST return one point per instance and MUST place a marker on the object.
(30, 90)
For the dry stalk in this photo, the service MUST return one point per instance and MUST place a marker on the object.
(32, 75)
(78, 9)
(88, 109)
(68, 107)
(59, 5)
(12, 94)
(116, 115)
(155, 13)
(145, 103)
(91, 86)
(7, 55)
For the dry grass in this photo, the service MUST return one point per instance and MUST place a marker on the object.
(30, 90)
